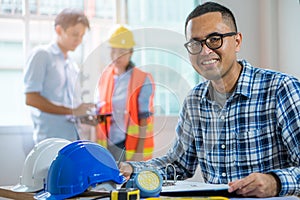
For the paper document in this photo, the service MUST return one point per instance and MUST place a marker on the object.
(187, 186)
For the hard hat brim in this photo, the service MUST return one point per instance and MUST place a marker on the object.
(24, 188)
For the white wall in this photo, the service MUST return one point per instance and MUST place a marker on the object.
(271, 30)
(15, 144)
(289, 36)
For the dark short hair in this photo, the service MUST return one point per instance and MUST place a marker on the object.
(208, 7)
(70, 17)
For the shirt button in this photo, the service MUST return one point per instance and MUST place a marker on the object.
(223, 146)
(224, 174)
(222, 117)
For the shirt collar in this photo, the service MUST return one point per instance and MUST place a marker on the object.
(55, 49)
(245, 81)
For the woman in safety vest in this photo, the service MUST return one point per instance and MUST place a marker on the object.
(127, 92)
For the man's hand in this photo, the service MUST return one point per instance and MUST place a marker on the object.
(256, 184)
(83, 109)
(126, 169)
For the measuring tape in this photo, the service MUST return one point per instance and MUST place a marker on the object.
(125, 194)
(148, 181)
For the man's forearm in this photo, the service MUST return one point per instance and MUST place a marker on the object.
(34, 99)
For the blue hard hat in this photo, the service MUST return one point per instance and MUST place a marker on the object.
(78, 166)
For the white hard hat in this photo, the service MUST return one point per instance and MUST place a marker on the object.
(37, 163)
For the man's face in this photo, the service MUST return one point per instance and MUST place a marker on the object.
(213, 64)
(71, 37)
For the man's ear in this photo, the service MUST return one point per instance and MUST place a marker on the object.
(58, 30)
(238, 39)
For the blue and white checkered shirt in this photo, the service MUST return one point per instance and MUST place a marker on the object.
(257, 130)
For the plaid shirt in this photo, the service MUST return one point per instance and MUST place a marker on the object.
(257, 130)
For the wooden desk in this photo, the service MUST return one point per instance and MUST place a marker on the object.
(6, 192)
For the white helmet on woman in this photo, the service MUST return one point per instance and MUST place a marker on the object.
(37, 163)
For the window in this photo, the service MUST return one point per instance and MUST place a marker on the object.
(159, 30)
(11, 53)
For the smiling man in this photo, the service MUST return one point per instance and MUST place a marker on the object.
(242, 124)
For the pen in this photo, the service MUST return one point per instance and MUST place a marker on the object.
(121, 156)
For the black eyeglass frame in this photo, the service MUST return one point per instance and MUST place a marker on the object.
(200, 42)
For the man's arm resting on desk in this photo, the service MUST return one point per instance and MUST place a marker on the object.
(34, 99)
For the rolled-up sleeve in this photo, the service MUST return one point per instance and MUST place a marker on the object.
(146, 92)
(35, 71)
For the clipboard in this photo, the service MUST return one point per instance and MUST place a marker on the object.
(90, 119)
(188, 188)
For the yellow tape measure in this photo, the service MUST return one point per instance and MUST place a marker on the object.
(148, 181)
(125, 194)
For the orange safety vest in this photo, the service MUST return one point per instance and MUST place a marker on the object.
(106, 85)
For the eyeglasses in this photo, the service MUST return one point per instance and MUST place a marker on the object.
(213, 41)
